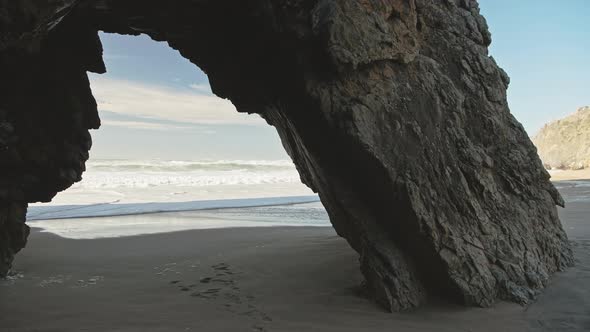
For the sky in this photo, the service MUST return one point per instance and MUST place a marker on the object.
(544, 46)
(154, 104)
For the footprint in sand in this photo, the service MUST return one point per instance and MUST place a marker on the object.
(259, 328)
(54, 280)
(90, 282)
(207, 294)
(11, 278)
(222, 286)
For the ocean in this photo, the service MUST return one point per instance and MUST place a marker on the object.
(245, 192)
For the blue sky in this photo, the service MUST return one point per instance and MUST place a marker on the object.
(544, 46)
(156, 104)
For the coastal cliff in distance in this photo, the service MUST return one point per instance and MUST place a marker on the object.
(565, 143)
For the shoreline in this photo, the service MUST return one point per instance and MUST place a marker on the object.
(127, 209)
(304, 214)
(253, 279)
(41, 212)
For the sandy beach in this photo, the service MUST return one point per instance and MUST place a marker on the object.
(561, 175)
(208, 166)
(254, 279)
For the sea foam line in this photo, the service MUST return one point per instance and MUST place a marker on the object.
(114, 209)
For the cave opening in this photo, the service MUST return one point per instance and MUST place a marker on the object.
(387, 111)
(150, 86)
(166, 142)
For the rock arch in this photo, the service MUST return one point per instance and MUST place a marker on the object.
(391, 109)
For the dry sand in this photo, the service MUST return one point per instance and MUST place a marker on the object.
(561, 175)
(251, 279)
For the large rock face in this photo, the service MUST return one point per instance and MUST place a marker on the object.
(565, 143)
(392, 111)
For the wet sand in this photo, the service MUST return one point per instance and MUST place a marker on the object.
(252, 279)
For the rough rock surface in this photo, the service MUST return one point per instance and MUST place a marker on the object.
(392, 111)
(13, 233)
(565, 143)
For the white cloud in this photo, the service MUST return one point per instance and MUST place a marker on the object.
(141, 125)
(115, 56)
(162, 103)
(202, 88)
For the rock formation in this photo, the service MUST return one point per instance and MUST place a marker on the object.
(565, 143)
(392, 111)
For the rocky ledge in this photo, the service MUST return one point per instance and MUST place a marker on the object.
(392, 110)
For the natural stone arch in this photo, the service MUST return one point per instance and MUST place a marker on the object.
(392, 111)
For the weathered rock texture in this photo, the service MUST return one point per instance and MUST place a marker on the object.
(565, 143)
(391, 109)
(13, 233)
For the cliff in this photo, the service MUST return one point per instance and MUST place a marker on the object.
(392, 110)
(565, 143)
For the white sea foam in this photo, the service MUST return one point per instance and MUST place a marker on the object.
(116, 209)
(134, 187)
(145, 173)
(259, 192)
(311, 214)
(148, 181)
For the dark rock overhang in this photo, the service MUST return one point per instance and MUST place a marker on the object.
(392, 111)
